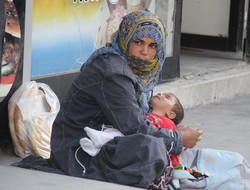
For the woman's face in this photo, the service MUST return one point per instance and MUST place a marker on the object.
(145, 48)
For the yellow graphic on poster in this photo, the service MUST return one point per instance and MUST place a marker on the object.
(66, 32)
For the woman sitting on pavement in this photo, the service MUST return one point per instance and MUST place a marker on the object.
(113, 89)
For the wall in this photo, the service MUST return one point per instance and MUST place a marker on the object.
(206, 17)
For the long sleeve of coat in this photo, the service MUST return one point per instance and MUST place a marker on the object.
(112, 86)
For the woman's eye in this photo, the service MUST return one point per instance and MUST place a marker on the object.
(154, 46)
(137, 42)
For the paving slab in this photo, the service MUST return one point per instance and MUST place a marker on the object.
(226, 124)
(14, 178)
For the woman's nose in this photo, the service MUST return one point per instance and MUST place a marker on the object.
(144, 50)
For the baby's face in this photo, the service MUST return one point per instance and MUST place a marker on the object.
(162, 104)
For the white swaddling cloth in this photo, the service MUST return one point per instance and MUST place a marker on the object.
(97, 139)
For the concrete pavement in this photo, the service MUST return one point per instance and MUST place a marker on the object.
(14, 178)
(209, 86)
(225, 125)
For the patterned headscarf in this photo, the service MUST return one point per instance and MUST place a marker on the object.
(134, 26)
(139, 24)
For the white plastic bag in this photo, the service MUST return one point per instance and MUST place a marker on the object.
(32, 111)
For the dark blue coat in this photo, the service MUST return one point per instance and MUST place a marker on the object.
(106, 92)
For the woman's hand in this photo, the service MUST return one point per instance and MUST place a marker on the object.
(190, 135)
